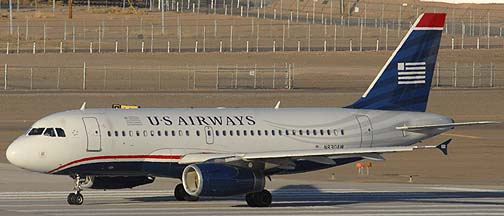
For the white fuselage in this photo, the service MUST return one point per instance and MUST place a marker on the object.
(97, 141)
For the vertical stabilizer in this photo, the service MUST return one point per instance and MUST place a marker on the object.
(404, 82)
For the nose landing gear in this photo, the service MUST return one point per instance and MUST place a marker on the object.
(76, 197)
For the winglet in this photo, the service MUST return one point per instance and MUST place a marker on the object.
(277, 106)
(444, 146)
(83, 107)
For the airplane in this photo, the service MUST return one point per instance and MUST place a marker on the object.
(219, 152)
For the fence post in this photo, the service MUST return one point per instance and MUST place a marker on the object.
(5, 76)
(351, 46)
(231, 40)
(325, 45)
(217, 81)
(116, 46)
(452, 43)
(455, 76)
(491, 74)
(247, 50)
(34, 47)
(377, 45)
(143, 45)
(473, 74)
(274, 45)
(438, 74)
(7, 51)
(478, 43)
(299, 46)
(31, 78)
(73, 38)
(127, 38)
(84, 77)
(91, 47)
(196, 47)
(58, 80)
(168, 47)
(104, 77)
(309, 36)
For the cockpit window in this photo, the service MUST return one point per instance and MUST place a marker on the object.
(36, 131)
(49, 132)
(60, 132)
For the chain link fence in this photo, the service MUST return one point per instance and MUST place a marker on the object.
(133, 78)
(278, 76)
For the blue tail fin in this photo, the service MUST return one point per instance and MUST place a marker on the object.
(404, 82)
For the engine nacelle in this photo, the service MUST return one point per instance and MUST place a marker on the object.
(116, 182)
(210, 179)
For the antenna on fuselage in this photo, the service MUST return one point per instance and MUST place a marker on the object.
(277, 106)
(83, 107)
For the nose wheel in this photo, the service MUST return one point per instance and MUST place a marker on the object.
(76, 197)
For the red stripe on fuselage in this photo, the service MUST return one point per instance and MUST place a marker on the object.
(108, 157)
(432, 20)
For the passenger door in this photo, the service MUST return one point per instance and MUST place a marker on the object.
(93, 134)
(366, 131)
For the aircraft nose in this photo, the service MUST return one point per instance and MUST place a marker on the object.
(12, 154)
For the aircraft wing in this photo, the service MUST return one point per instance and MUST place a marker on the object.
(317, 155)
(433, 126)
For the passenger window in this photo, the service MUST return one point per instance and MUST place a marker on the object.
(166, 133)
(342, 132)
(223, 133)
(251, 132)
(231, 133)
(279, 133)
(138, 133)
(49, 132)
(145, 133)
(187, 133)
(209, 133)
(265, 132)
(328, 132)
(116, 133)
(335, 132)
(237, 133)
(36, 131)
(321, 132)
(180, 133)
(197, 133)
(300, 132)
(130, 133)
(307, 132)
(314, 132)
(258, 133)
(244, 133)
(173, 133)
(152, 133)
(60, 132)
(216, 133)
(294, 132)
(286, 132)
(272, 132)
(123, 133)
(109, 134)
(159, 133)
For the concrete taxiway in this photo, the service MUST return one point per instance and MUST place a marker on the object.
(24, 193)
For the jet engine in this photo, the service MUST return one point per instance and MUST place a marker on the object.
(115, 182)
(211, 179)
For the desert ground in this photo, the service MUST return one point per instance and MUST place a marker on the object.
(322, 79)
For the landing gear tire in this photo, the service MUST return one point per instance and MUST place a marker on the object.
(182, 195)
(75, 199)
(259, 199)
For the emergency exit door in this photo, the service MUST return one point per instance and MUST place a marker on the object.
(93, 134)
(209, 134)
(366, 131)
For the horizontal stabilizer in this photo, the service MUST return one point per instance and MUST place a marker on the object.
(443, 147)
(433, 126)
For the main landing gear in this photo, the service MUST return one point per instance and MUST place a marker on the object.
(182, 195)
(76, 197)
(259, 199)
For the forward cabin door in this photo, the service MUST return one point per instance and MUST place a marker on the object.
(366, 131)
(93, 134)
(209, 134)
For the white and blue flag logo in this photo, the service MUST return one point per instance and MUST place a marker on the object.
(411, 73)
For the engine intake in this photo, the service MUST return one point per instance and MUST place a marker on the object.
(212, 179)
